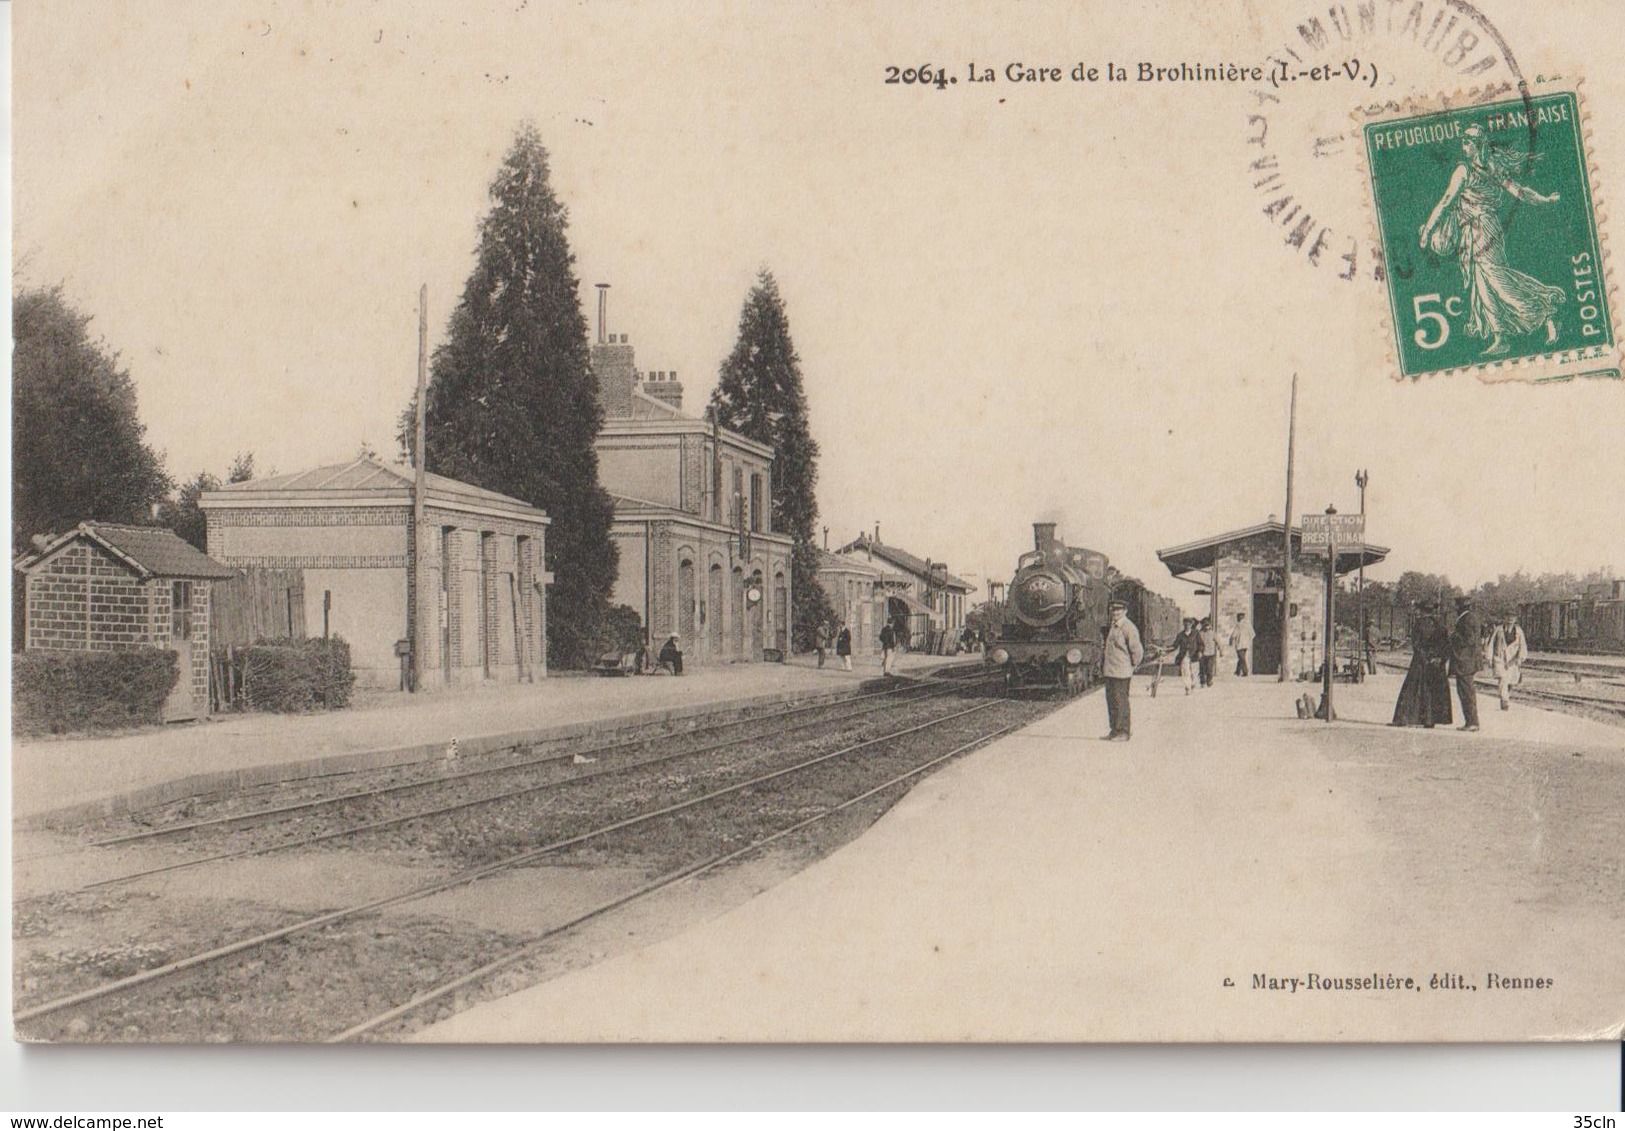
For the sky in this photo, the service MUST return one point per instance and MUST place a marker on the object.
(1013, 302)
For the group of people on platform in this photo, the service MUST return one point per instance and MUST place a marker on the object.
(1440, 654)
(1199, 645)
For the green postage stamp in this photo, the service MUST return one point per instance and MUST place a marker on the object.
(1488, 226)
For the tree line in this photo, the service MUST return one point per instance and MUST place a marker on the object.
(512, 406)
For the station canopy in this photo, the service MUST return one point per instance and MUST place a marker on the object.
(1199, 557)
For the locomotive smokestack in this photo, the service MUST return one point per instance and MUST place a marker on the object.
(1043, 535)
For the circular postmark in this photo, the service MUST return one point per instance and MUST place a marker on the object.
(1301, 145)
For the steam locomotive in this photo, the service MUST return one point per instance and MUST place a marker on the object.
(1054, 629)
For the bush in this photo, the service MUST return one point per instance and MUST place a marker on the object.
(620, 630)
(291, 676)
(54, 692)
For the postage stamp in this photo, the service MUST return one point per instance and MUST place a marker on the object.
(1488, 226)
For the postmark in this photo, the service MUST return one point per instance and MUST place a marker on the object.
(1301, 147)
(1486, 217)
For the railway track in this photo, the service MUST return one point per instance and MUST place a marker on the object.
(717, 826)
(569, 762)
(1600, 706)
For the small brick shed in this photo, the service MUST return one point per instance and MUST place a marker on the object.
(103, 587)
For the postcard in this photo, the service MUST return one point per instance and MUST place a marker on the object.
(999, 522)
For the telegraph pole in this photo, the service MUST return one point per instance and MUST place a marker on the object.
(1327, 670)
(1286, 544)
(419, 484)
(1361, 478)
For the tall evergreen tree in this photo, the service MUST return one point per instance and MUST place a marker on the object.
(512, 404)
(78, 445)
(759, 395)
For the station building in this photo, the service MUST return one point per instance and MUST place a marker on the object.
(859, 590)
(346, 527)
(930, 605)
(693, 517)
(1242, 572)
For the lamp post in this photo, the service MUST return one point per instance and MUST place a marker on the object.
(1330, 659)
(1361, 478)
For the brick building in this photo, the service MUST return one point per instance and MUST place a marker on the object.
(482, 593)
(108, 588)
(693, 517)
(1242, 571)
(858, 588)
(930, 605)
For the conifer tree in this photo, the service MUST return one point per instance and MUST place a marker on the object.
(759, 395)
(512, 403)
(78, 447)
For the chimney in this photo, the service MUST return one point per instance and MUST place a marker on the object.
(1043, 536)
(664, 387)
(612, 364)
(877, 530)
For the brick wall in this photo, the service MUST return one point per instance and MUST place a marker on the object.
(83, 599)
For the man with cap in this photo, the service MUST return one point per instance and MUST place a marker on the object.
(671, 654)
(1466, 657)
(1123, 654)
(1187, 649)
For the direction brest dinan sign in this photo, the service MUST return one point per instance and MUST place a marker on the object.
(1318, 530)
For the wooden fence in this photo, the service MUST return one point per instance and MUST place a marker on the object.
(258, 603)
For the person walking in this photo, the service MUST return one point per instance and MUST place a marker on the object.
(1187, 649)
(1123, 654)
(1508, 650)
(888, 648)
(1209, 640)
(1241, 639)
(821, 642)
(843, 646)
(1466, 658)
(1372, 639)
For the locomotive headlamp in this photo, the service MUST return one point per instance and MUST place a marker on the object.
(1074, 655)
(999, 656)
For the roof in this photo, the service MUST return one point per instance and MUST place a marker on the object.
(903, 560)
(150, 551)
(849, 563)
(364, 478)
(1196, 557)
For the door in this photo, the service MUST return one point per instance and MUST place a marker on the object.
(1266, 657)
(183, 702)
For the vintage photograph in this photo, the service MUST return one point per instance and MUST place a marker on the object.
(707, 522)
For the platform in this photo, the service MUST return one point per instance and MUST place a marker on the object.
(1055, 887)
(72, 778)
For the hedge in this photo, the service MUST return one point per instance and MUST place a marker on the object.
(291, 676)
(54, 692)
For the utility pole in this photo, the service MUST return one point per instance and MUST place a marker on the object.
(1286, 544)
(1327, 670)
(419, 484)
(1361, 478)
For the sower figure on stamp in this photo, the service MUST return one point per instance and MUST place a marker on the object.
(1241, 639)
(1508, 649)
(1123, 654)
(1466, 657)
(1467, 221)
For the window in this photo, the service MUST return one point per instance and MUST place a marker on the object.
(756, 501)
(180, 610)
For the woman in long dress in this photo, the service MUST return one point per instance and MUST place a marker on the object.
(1424, 697)
(1467, 220)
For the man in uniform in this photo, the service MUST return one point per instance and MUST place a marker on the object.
(1123, 654)
(1466, 657)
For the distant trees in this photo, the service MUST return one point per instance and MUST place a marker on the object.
(759, 395)
(78, 445)
(184, 516)
(512, 404)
